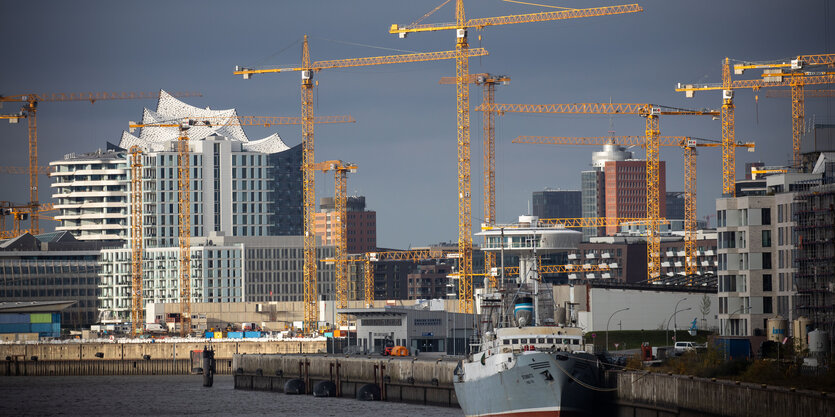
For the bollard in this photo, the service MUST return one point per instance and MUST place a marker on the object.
(208, 367)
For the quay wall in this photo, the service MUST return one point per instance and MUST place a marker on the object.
(656, 394)
(160, 350)
(409, 379)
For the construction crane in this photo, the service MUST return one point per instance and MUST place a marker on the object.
(688, 145)
(29, 111)
(651, 113)
(137, 309)
(41, 170)
(340, 196)
(184, 187)
(488, 83)
(19, 213)
(308, 69)
(462, 69)
(774, 77)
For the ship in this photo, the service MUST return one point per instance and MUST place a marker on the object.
(529, 361)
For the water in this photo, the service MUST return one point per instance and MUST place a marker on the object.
(177, 396)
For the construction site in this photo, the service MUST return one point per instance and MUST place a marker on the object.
(198, 222)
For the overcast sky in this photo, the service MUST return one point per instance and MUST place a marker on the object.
(405, 139)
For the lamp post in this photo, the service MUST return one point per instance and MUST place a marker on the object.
(607, 325)
(670, 319)
(675, 321)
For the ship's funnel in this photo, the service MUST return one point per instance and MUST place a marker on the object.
(523, 311)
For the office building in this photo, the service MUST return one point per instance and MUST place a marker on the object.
(593, 186)
(675, 205)
(361, 225)
(626, 190)
(554, 204)
(53, 267)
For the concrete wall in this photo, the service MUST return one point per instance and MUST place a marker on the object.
(407, 379)
(681, 395)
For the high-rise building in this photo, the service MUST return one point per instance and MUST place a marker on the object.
(430, 279)
(90, 193)
(361, 224)
(553, 204)
(626, 190)
(675, 205)
(287, 192)
(593, 186)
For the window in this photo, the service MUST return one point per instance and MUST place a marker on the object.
(766, 238)
(767, 283)
(766, 220)
(767, 305)
(766, 260)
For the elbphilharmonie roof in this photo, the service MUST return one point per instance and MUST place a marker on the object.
(171, 109)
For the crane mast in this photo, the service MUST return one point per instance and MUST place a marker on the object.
(137, 308)
(340, 173)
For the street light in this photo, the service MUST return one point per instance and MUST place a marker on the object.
(675, 319)
(670, 319)
(607, 325)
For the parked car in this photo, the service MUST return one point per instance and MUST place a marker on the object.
(681, 347)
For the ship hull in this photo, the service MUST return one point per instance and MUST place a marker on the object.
(529, 384)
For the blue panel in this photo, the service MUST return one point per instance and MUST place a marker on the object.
(41, 327)
(235, 335)
(56, 317)
(14, 318)
(250, 335)
(15, 328)
(210, 335)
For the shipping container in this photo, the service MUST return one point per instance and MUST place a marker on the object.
(252, 335)
(43, 329)
(14, 318)
(210, 335)
(235, 335)
(218, 335)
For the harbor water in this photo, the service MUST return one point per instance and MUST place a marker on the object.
(177, 396)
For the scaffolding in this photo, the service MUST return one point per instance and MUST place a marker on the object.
(814, 215)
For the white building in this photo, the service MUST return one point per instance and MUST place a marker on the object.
(217, 274)
(90, 192)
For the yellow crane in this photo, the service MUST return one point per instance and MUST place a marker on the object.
(688, 145)
(774, 77)
(137, 310)
(462, 69)
(651, 113)
(19, 213)
(41, 170)
(307, 70)
(488, 84)
(184, 181)
(29, 111)
(340, 195)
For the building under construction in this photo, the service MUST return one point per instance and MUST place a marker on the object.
(814, 214)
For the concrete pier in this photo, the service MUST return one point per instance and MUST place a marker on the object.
(408, 379)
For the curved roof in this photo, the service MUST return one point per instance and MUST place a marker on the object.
(171, 109)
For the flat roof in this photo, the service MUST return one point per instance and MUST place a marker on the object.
(35, 306)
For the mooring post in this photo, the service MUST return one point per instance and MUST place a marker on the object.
(208, 366)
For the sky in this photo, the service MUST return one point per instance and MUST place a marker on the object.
(404, 141)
